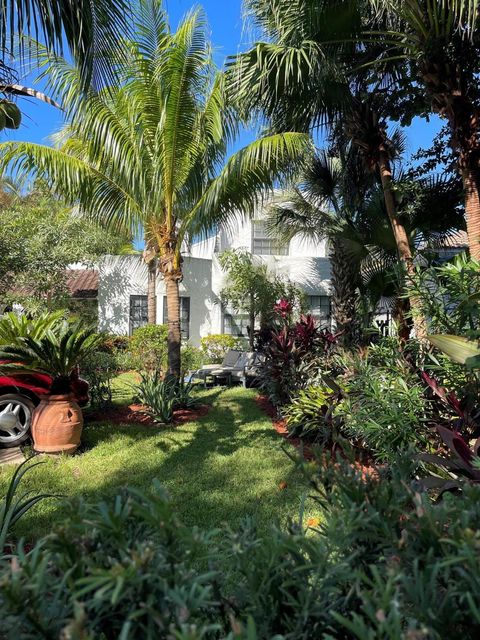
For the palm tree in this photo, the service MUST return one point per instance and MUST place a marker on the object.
(91, 30)
(440, 40)
(149, 151)
(338, 201)
(322, 207)
(308, 75)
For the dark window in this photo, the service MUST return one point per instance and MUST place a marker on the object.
(235, 324)
(184, 316)
(320, 308)
(138, 312)
(263, 245)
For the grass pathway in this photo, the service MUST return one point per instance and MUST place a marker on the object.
(227, 466)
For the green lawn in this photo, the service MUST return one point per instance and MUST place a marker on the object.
(223, 468)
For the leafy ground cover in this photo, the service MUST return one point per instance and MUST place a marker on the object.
(227, 466)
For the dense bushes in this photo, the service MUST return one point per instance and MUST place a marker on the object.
(384, 407)
(214, 347)
(385, 562)
(148, 348)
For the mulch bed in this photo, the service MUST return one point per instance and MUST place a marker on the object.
(363, 463)
(133, 414)
(280, 427)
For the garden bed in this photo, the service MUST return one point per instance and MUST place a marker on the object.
(135, 414)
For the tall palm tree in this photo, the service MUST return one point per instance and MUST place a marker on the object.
(336, 200)
(323, 207)
(441, 42)
(149, 151)
(309, 73)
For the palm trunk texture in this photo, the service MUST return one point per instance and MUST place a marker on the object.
(403, 247)
(174, 334)
(151, 292)
(344, 283)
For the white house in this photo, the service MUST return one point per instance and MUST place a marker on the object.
(122, 284)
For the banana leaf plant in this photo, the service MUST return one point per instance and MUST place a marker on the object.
(459, 349)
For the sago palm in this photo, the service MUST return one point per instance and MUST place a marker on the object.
(309, 72)
(151, 151)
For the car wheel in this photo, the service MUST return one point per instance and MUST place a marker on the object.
(15, 419)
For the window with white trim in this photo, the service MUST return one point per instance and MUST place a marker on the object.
(138, 312)
(264, 245)
(321, 309)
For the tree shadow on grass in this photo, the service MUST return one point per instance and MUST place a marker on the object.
(221, 469)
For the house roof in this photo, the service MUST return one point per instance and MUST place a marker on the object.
(82, 283)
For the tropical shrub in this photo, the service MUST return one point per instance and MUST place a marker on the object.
(294, 355)
(14, 327)
(450, 296)
(161, 396)
(310, 414)
(384, 562)
(136, 577)
(192, 358)
(148, 348)
(384, 407)
(99, 369)
(215, 346)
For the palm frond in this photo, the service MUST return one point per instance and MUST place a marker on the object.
(247, 177)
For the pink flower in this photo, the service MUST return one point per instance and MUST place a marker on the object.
(283, 308)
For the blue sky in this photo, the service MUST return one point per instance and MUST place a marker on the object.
(228, 37)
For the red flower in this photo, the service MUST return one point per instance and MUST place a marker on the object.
(283, 308)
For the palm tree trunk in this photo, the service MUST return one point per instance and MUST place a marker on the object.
(344, 283)
(251, 333)
(151, 291)
(403, 245)
(174, 334)
(472, 210)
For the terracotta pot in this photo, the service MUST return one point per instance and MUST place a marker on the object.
(57, 425)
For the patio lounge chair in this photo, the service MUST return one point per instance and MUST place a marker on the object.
(229, 360)
(244, 369)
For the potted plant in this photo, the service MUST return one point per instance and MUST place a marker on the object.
(57, 421)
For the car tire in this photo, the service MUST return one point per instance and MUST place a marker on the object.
(16, 412)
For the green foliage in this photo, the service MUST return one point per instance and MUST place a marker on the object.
(215, 347)
(450, 296)
(192, 358)
(148, 348)
(57, 353)
(99, 368)
(161, 396)
(252, 288)
(384, 562)
(138, 576)
(41, 238)
(14, 505)
(384, 406)
(309, 414)
(14, 327)
(459, 349)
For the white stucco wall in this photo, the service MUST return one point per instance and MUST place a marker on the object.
(123, 276)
